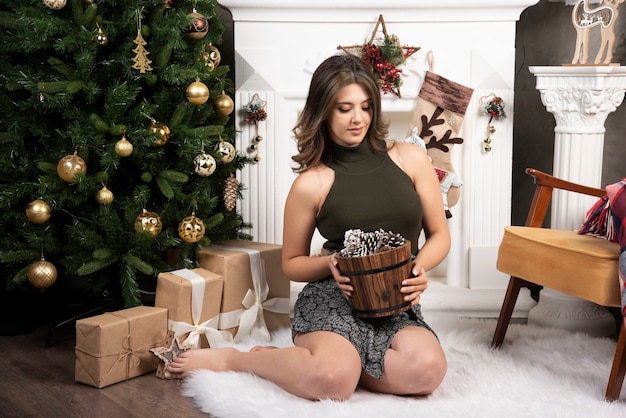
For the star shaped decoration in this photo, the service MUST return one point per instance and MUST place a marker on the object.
(169, 352)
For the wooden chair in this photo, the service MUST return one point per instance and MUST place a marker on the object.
(578, 265)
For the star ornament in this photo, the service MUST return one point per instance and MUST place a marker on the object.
(170, 352)
(385, 56)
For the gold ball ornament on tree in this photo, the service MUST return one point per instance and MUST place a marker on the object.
(161, 132)
(211, 57)
(104, 196)
(123, 147)
(55, 4)
(197, 93)
(101, 37)
(70, 165)
(38, 211)
(148, 222)
(204, 164)
(223, 104)
(42, 274)
(226, 151)
(198, 27)
(191, 229)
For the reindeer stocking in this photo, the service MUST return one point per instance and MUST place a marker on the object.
(438, 116)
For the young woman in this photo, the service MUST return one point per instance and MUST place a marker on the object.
(349, 177)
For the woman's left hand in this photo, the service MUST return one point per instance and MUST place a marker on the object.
(413, 287)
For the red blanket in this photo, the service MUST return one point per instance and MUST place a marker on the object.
(607, 219)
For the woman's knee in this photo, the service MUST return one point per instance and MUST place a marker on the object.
(427, 371)
(334, 380)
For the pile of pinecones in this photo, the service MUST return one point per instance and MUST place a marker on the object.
(358, 243)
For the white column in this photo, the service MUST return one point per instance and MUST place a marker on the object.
(581, 98)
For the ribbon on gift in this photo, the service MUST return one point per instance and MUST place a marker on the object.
(251, 320)
(215, 337)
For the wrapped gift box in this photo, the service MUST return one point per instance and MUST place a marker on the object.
(115, 346)
(256, 292)
(193, 299)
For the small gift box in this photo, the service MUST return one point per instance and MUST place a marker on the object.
(115, 346)
(193, 298)
(255, 299)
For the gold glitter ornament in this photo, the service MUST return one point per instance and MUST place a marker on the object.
(38, 212)
(42, 274)
(224, 105)
(148, 222)
(211, 56)
(204, 164)
(70, 165)
(101, 37)
(161, 132)
(104, 196)
(191, 229)
(123, 147)
(197, 93)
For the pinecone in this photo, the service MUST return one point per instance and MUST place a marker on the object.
(358, 243)
(231, 190)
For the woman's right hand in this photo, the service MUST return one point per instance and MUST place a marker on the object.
(342, 281)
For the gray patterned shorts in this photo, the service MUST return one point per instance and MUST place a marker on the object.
(321, 306)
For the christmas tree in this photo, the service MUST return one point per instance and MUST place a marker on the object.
(116, 142)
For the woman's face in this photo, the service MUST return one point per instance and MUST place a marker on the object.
(350, 116)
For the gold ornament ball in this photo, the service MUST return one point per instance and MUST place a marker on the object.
(101, 38)
(70, 165)
(191, 229)
(123, 147)
(161, 131)
(38, 212)
(104, 196)
(42, 274)
(205, 164)
(55, 4)
(226, 150)
(224, 105)
(197, 93)
(148, 222)
(198, 27)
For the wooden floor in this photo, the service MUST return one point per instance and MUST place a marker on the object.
(36, 381)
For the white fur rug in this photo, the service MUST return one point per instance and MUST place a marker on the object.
(536, 373)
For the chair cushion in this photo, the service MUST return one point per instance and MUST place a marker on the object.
(579, 265)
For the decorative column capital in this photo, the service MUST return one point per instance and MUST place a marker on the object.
(581, 97)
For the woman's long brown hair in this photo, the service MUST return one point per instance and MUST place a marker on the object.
(311, 130)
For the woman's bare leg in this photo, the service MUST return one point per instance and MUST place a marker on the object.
(321, 365)
(414, 365)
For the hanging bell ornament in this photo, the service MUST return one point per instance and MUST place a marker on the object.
(55, 4)
(226, 151)
(197, 92)
(204, 164)
(211, 56)
(168, 4)
(191, 229)
(123, 147)
(160, 131)
(198, 27)
(38, 212)
(148, 222)
(224, 105)
(256, 159)
(104, 196)
(101, 37)
(42, 274)
(70, 165)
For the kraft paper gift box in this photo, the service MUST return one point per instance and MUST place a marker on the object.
(115, 346)
(193, 299)
(255, 299)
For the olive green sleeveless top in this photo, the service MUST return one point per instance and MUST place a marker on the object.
(370, 192)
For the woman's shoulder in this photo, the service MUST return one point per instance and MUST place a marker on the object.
(407, 151)
(314, 177)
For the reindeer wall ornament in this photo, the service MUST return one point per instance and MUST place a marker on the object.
(584, 19)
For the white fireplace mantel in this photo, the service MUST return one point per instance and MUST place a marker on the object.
(279, 44)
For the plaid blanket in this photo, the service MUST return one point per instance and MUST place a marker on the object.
(607, 219)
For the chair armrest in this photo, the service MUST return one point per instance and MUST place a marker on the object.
(544, 186)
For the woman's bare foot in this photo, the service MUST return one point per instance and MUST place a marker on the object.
(215, 359)
(262, 348)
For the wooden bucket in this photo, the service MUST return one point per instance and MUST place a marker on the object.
(376, 280)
